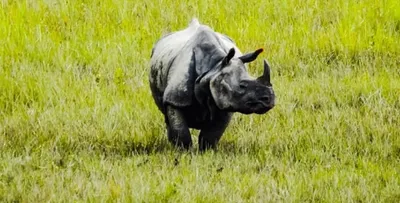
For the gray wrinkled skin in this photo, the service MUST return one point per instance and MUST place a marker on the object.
(199, 78)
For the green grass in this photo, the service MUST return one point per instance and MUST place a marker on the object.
(78, 123)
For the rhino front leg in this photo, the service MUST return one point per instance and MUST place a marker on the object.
(210, 135)
(178, 131)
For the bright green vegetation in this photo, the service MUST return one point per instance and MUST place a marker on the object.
(78, 123)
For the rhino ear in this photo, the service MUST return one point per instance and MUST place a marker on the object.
(251, 56)
(228, 57)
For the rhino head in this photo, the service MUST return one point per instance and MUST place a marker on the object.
(233, 89)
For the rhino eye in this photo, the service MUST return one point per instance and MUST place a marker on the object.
(243, 85)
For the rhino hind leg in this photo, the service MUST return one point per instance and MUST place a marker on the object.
(178, 130)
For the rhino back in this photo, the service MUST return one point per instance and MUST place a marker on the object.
(171, 76)
(164, 54)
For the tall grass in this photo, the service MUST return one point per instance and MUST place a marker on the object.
(77, 121)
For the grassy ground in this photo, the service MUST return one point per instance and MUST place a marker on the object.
(77, 121)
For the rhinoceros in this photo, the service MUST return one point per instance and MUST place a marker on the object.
(198, 79)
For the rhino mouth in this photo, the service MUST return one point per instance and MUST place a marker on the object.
(255, 104)
(258, 107)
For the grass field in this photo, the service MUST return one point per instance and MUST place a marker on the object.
(78, 123)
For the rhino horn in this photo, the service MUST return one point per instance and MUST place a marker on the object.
(265, 78)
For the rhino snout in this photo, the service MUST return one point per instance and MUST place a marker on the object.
(260, 104)
(265, 99)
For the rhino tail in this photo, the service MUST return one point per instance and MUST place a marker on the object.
(194, 22)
